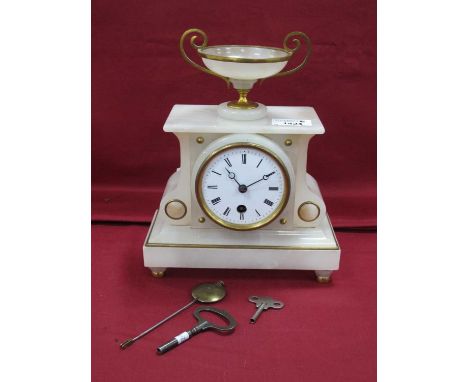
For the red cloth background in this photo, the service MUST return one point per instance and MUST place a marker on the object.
(325, 332)
(138, 75)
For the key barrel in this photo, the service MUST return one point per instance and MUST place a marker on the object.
(182, 337)
(167, 346)
(257, 313)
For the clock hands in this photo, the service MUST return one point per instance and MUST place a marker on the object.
(264, 177)
(242, 187)
(231, 175)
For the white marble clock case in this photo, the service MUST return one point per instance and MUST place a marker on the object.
(189, 243)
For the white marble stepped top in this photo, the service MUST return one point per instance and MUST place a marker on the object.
(205, 119)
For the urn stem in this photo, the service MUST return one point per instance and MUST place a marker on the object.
(243, 102)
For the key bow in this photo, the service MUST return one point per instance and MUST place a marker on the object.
(268, 302)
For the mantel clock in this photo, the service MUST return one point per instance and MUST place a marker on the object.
(242, 197)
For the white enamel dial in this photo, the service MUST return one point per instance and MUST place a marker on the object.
(242, 186)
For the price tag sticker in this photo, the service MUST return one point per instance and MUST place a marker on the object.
(291, 122)
(182, 337)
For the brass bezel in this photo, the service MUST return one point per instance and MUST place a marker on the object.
(175, 200)
(246, 60)
(242, 227)
(309, 202)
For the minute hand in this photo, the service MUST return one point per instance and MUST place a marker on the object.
(264, 177)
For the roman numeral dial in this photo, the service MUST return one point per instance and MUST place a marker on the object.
(242, 186)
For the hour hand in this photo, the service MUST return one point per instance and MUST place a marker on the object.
(231, 175)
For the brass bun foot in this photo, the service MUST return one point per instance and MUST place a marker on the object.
(323, 277)
(158, 272)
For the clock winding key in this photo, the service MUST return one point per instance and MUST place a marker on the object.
(264, 303)
(201, 326)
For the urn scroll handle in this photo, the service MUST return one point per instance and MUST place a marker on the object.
(297, 44)
(197, 33)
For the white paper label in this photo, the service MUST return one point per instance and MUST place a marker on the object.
(182, 337)
(291, 122)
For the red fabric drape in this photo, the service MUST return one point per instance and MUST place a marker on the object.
(324, 332)
(139, 74)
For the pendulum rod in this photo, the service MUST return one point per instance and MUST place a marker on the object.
(130, 341)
